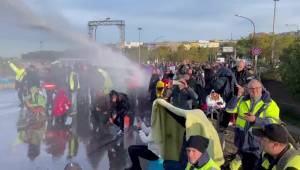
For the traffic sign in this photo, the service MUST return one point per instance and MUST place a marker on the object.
(256, 51)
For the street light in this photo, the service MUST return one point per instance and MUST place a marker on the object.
(41, 45)
(273, 33)
(157, 38)
(154, 43)
(253, 39)
(253, 35)
(139, 28)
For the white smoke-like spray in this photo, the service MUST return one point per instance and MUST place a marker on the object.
(16, 13)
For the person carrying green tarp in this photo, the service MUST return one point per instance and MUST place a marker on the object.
(172, 127)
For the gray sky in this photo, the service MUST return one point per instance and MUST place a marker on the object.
(62, 24)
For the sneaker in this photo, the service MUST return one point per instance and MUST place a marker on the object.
(113, 150)
(119, 133)
(73, 113)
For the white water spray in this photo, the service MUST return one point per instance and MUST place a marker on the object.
(17, 14)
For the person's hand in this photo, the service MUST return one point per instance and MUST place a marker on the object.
(250, 118)
(184, 83)
(141, 133)
(111, 121)
(97, 109)
(241, 91)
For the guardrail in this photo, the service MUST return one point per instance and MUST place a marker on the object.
(7, 83)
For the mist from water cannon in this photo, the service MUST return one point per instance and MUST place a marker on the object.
(18, 14)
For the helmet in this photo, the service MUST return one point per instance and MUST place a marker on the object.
(160, 84)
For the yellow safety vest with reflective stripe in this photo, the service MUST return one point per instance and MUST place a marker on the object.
(210, 165)
(73, 146)
(20, 72)
(293, 162)
(72, 81)
(243, 107)
(107, 81)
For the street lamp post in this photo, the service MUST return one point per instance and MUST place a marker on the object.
(253, 24)
(154, 43)
(253, 39)
(139, 28)
(157, 38)
(273, 33)
(41, 45)
(95, 34)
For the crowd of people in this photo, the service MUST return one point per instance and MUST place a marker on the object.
(239, 99)
(232, 95)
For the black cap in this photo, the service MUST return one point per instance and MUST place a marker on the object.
(274, 132)
(198, 142)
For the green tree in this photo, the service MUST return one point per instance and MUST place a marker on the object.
(289, 68)
(162, 53)
(243, 47)
(133, 54)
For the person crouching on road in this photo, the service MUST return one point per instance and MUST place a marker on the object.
(119, 109)
(150, 152)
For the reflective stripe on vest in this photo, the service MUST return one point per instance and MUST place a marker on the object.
(210, 165)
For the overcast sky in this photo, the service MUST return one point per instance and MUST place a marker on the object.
(24, 23)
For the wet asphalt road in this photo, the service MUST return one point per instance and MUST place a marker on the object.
(28, 143)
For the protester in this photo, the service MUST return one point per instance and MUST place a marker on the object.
(61, 106)
(197, 155)
(32, 77)
(119, 108)
(279, 153)
(153, 82)
(254, 110)
(215, 101)
(182, 95)
(241, 73)
(149, 152)
(19, 83)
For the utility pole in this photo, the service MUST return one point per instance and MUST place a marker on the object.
(95, 38)
(273, 34)
(139, 28)
(41, 45)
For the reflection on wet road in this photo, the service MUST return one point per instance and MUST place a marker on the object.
(38, 142)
